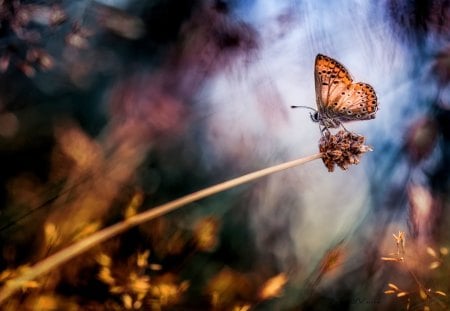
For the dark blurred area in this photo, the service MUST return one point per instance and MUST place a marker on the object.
(109, 108)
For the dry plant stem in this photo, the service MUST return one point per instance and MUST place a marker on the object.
(78, 248)
(422, 287)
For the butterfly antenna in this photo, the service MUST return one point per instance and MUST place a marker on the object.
(304, 107)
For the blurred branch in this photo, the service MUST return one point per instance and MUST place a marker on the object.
(78, 248)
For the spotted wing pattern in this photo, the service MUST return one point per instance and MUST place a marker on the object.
(338, 98)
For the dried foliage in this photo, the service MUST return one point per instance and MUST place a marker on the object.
(418, 293)
(143, 75)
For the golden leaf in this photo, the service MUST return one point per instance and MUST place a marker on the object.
(434, 265)
(23, 269)
(46, 302)
(133, 206)
(86, 230)
(440, 293)
(184, 286)
(273, 286)
(142, 259)
(389, 291)
(166, 291)
(401, 294)
(155, 267)
(6, 274)
(226, 285)
(141, 296)
(105, 276)
(52, 235)
(423, 295)
(141, 284)
(206, 233)
(127, 301)
(443, 251)
(103, 260)
(393, 286)
(431, 252)
(390, 259)
(244, 307)
(116, 289)
(30, 284)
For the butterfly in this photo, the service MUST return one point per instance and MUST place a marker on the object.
(338, 99)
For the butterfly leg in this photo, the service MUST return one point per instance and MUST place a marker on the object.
(324, 129)
(345, 129)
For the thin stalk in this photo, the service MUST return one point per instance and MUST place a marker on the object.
(82, 246)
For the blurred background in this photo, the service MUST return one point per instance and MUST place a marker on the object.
(109, 108)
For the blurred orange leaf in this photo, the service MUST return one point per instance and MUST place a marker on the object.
(205, 233)
(127, 301)
(440, 293)
(273, 287)
(133, 206)
(393, 286)
(142, 259)
(390, 259)
(431, 252)
(434, 265)
(422, 294)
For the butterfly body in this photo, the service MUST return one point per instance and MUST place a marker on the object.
(338, 98)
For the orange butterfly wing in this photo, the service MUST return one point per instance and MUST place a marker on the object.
(337, 97)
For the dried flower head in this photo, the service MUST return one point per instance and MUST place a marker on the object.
(343, 149)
